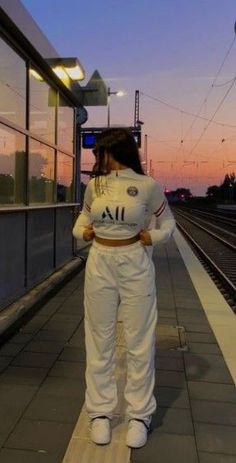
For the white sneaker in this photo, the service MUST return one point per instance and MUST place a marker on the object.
(101, 430)
(137, 434)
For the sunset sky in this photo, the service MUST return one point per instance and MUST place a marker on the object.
(170, 50)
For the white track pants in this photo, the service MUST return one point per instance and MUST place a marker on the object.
(120, 278)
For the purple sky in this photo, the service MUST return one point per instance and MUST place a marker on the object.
(169, 49)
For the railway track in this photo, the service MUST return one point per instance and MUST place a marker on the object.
(216, 250)
(225, 226)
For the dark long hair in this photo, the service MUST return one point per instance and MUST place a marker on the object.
(120, 143)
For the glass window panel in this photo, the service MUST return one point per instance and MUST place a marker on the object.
(42, 107)
(12, 85)
(41, 173)
(65, 125)
(64, 178)
(12, 166)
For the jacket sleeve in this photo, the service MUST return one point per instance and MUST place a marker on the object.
(158, 205)
(84, 218)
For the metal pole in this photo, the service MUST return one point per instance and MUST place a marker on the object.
(136, 109)
(108, 106)
(145, 154)
(150, 170)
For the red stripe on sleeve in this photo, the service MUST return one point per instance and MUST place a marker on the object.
(156, 212)
(87, 207)
(161, 210)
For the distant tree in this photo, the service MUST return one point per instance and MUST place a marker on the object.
(213, 192)
(228, 187)
(225, 192)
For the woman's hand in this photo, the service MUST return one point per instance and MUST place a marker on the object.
(145, 238)
(88, 234)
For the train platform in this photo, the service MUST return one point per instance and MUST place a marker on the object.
(42, 367)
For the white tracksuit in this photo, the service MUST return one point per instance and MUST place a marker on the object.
(122, 278)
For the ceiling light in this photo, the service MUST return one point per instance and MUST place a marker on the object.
(60, 72)
(36, 75)
(75, 72)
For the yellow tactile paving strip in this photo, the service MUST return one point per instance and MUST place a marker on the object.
(81, 449)
(220, 316)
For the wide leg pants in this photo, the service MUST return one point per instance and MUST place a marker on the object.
(120, 278)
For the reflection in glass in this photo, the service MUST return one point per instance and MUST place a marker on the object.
(65, 125)
(12, 85)
(64, 178)
(12, 166)
(41, 172)
(42, 107)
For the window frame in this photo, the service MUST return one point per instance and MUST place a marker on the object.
(60, 89)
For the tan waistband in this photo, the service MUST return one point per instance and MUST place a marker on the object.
(110, 242)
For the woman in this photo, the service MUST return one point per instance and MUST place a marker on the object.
(118, 206)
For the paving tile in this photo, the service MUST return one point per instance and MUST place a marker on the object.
(49, 308)
(198, 327)
(216, 438)
(75, 298)
(69, 309)
(35, 324)
(214, 412)
(191, 310)
(176, 421)
(165, 304)
(172, 397)
(170, 378)
(45, 346)
(171, 364)
(211, 391)
(61, 387)
(61, 325)
(29, 456)
(13, 400)
(53, 335)
(201, 337)
(19, 393)
(68, 370)
(206, 367)
(165, 301)
(48, 407)
(204, 348)
(189, 303)
(35, 359)
(46, 436)
(73, 354)
(23, 375)
(167, 342)
(3, 437)
(10, 349)
(182, 292)
(4, 362)
(61, 318)
(215, 458)
(165, 312)
(183, 318)
(167, 321)
(169, 447)
(170, 353)
(22, 338)
(76, 342)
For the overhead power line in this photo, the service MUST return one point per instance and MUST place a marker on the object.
(213, 83)
(176, 108)
(212, 117)
(223, 83)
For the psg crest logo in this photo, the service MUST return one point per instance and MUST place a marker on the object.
(132, 191)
